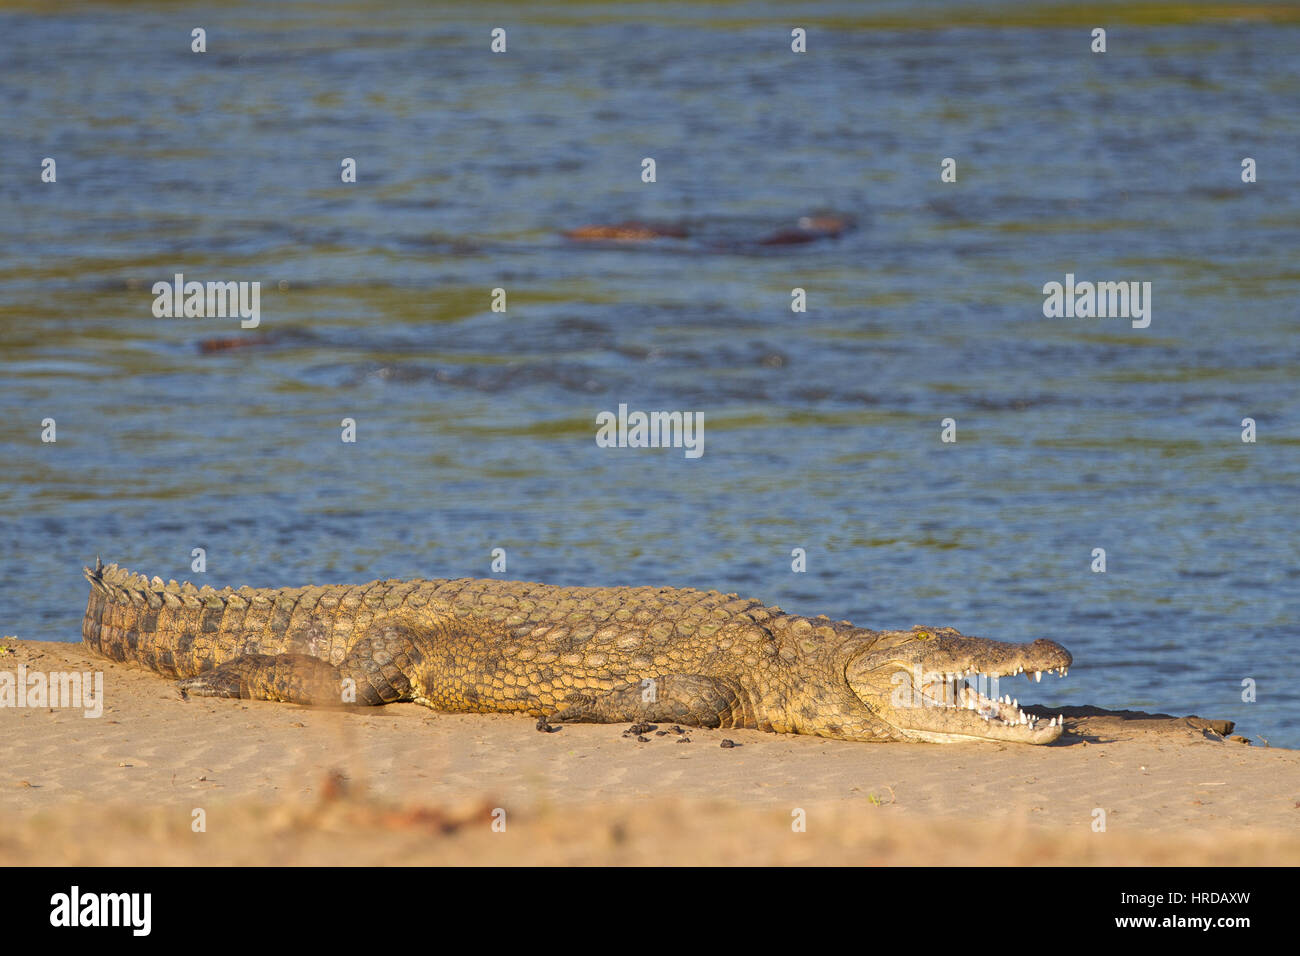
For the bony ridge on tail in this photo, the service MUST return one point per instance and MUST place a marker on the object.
(570, 653)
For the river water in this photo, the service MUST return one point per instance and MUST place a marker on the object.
(822, 430)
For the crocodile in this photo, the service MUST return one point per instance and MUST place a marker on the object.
(569, 654)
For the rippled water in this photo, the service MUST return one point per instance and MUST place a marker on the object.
(822, 430)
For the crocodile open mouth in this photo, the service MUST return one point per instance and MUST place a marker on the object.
(938, 685)
(970, 691)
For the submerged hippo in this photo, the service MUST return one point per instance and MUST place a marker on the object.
(809, 228)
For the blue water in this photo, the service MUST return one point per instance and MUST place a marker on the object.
(822, 430)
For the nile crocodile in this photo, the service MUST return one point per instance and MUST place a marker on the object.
(569, 654)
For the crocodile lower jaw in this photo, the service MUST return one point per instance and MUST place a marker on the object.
(954, 709)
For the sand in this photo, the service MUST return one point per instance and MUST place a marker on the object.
(276, 783)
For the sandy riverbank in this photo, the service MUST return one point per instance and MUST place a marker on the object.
(401, 784)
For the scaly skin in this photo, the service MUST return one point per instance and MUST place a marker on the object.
(579, 654)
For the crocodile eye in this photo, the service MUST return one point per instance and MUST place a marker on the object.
(923, 635)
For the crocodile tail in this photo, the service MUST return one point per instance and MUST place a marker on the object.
(111, 586)
(95, 576)
(132, 617)
(112, 582)
(101, 595)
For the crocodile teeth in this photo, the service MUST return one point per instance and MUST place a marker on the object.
(961, 690)
(1038, 677)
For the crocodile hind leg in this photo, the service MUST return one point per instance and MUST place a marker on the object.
(680, 698)
(375, 671)
(294, 678)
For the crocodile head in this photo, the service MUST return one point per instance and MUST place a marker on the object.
(938, 685)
